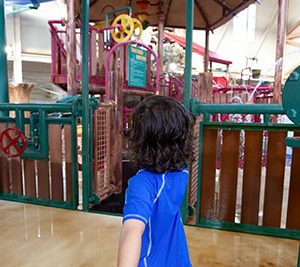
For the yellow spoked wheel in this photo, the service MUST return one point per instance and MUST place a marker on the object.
(138, 28)
(124, 34)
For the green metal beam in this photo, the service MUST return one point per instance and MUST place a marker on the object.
(188, 52)
(198, 108)
(52, 107)
(86, 160)
(250, 229)
(188, 81)
(3, 59)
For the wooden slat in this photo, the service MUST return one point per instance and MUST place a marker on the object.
(43, 179)
(68, 153)
(251, 177)
(276, 155)
(16, 176)
(228, 175)
(4, 167)
(55, 148)
(293, 214)
(16, 171)
(209, 151)
(29, 169)
(29, 174)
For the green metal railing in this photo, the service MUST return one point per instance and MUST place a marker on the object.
(188, 80)
(3, 60)
(41, 116)
(206, 110)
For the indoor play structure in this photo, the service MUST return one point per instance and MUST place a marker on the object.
(39, 142)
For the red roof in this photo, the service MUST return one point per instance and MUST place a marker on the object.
(200, 50)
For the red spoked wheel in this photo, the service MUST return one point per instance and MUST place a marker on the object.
(12, 142)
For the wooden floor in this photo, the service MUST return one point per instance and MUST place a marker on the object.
(41, 236)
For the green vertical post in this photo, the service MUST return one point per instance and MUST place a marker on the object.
(74, 163)
(188, 52)
(86, 160)
(188, 80)
(3, 59)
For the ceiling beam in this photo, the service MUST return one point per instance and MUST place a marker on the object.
(294, 27)
(168, 10)
(222, 3)
(92, 3)
(202, 13)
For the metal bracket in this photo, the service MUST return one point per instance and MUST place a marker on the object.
(37, 141)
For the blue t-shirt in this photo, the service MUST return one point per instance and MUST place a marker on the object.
(155, 199)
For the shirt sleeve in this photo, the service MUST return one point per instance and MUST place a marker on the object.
(139, 198)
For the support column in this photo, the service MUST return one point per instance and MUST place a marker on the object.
(71, 49)
(86, 133)
(188, 52)
(3, 59)
(281, 34)
(206, 57)
(188, 81)
(17, 48)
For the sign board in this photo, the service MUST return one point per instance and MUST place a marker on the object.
(137, 59)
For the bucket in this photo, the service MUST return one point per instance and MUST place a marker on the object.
(256, 73)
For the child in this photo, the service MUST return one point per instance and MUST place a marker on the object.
(152, 234)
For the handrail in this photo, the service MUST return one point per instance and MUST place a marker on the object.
(59, 107)
(55, 31)
(198, 108)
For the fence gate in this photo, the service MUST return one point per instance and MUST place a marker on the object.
(46, 173)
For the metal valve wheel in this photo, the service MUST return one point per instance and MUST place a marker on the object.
(13, 142)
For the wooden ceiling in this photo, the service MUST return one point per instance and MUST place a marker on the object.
(208, 14)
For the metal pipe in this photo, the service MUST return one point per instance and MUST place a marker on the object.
(238, 108)
(3, 59)
(206, 57)
(85, 102)
(188, 53)
(53, 107)
(188, 80)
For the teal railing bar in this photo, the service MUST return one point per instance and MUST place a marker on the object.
(3, 59)
(85, 103)
(198, 108)
(188, 52)
(251, 229)
(55, 107)
(188, 81)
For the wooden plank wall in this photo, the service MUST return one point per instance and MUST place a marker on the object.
(48, 179)
(293, 213)
(251, 177)
(219, 194)
(209, 153)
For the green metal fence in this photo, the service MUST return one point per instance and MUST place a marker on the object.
(217, 194)
(47, 172)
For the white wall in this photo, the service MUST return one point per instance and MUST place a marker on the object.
(35, 34)
(264, 45)
(36, 37)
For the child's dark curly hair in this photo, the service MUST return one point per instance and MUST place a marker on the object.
(161, 135)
